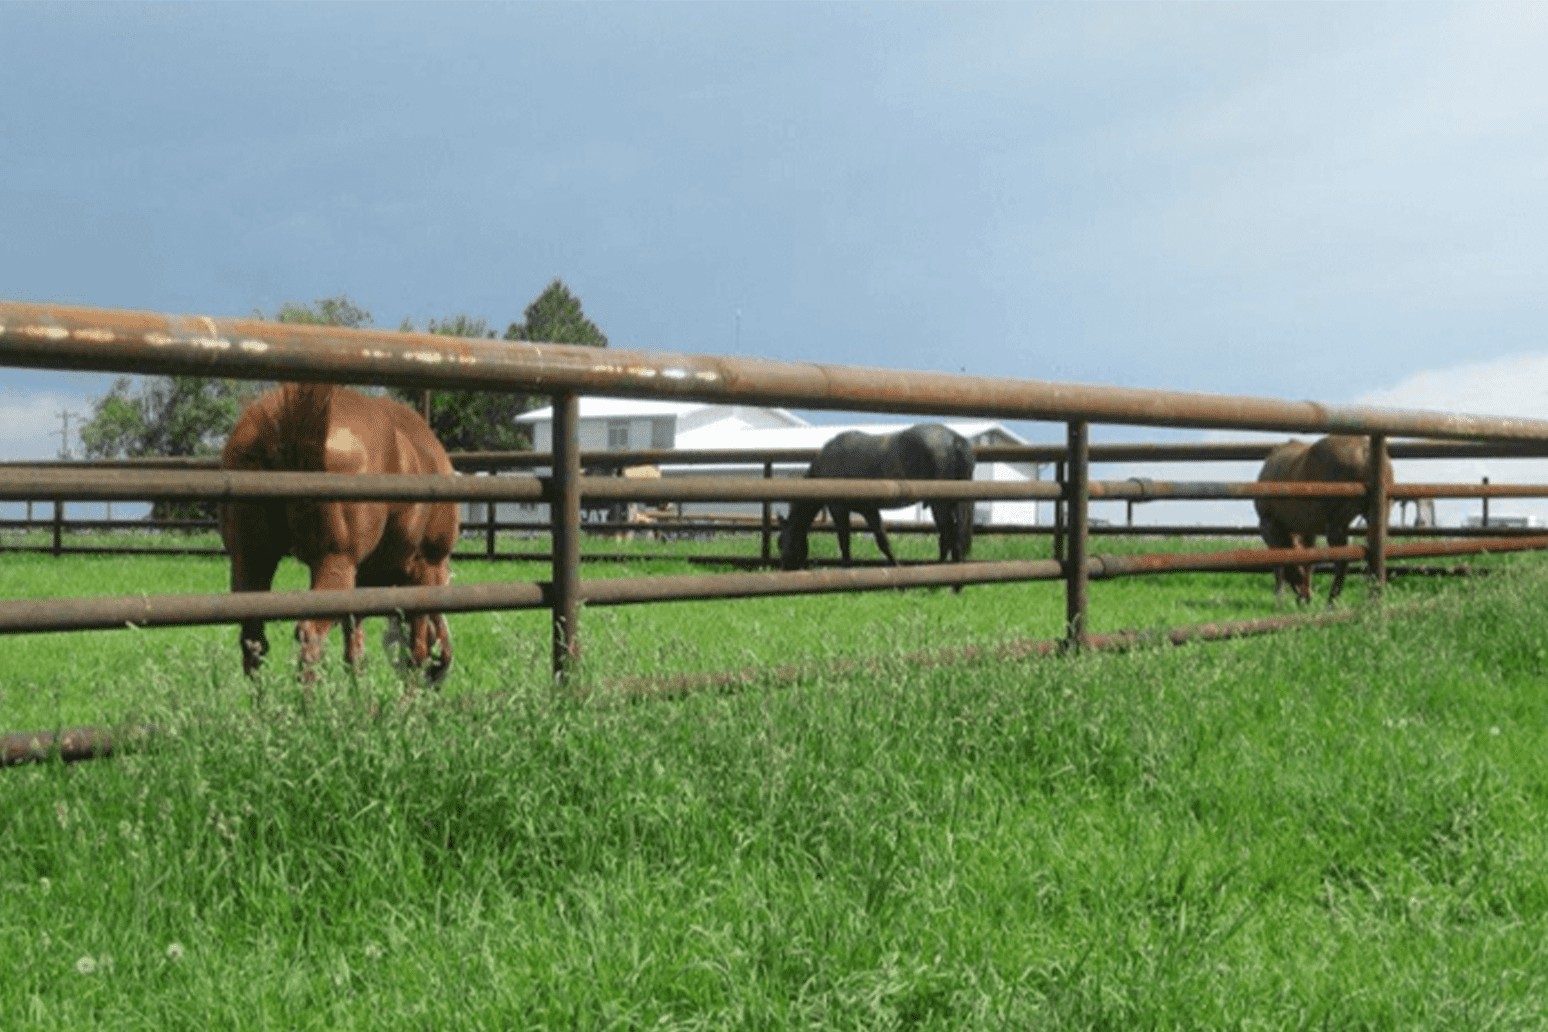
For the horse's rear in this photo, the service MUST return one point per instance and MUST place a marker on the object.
(344, 544)
(1297, 522)
(934, 452)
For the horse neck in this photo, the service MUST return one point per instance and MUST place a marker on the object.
(802, 513)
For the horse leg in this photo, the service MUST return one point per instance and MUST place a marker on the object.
(333, 572)
(1337, 539)
(431, 635)
(1276, 536)
(945, 514)
(253, 562)
(430, 632)
(840, 518)
(354, 640)
(874, 521)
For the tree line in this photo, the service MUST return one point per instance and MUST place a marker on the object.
(193, 415)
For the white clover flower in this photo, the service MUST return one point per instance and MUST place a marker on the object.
(174, 951)
(45, 884)
(86, 965)
(373, 951)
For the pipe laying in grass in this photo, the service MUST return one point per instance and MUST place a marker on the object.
(87, 743)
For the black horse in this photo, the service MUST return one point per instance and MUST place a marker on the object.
(927, 451)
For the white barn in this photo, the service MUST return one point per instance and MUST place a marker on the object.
(617, 424)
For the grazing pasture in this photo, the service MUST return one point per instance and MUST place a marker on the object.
(102, 677)
(1334, 828)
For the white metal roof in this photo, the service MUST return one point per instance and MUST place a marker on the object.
(717, 435)
(598, 407)
(593, 407)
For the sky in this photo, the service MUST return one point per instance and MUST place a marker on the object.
(1342, 203)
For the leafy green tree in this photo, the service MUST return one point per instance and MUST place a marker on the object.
(166, 415)
(469, 420)
(189, 415)
(325, 311)
(556, 318)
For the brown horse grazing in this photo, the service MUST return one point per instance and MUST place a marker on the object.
(332, 429)
(1296, 522)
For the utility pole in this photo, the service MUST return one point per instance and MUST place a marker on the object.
(64, 435)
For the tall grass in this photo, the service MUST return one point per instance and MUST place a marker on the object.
(1338, 828)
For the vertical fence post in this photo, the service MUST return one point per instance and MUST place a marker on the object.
(489, 529)
(768, 513)
(58, 528)
(1485, 505)
(1058, 535)
(564, 513)
(1376, 515)
(1075, 574)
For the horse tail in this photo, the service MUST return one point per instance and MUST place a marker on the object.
(302, 421)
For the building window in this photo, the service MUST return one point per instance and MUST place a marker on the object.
(617, 434)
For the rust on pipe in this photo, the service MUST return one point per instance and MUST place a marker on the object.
(40, 484)
(687, 587)
(223, 485)
(1484, 490)
(1233, 560)
(1144, 489)
(34, 616)
(1010, 651)
(1377, 506)
(111, 340)
(70, 745)
(1076, 572)
(481, 461)
(84, 743)
(566, 533)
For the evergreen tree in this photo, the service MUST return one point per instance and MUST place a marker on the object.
(556, 318)
(469, 420)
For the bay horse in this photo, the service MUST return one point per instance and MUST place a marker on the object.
(1296, 522)
(925, 451)
(346, 544)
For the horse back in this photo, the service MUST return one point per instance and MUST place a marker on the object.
(1335, 458)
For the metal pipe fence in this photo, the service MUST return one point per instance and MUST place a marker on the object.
(48, 336)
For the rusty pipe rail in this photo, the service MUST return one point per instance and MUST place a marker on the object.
(36, 616)
(22, 483)
(110, 340)
(479, 461)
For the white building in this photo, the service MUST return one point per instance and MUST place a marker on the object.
(621, 424)
(617, 424)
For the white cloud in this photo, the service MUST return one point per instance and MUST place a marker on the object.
(1515, 386)
(30, 424)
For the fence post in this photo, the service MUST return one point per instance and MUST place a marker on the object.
(1075, 574)
(768, 513)
(1485, 523)
(1058, 535)
(564, 513)
(58, 528)
(489, 520)
(1376, 514)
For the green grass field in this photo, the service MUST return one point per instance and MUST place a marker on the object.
(1336, 828)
